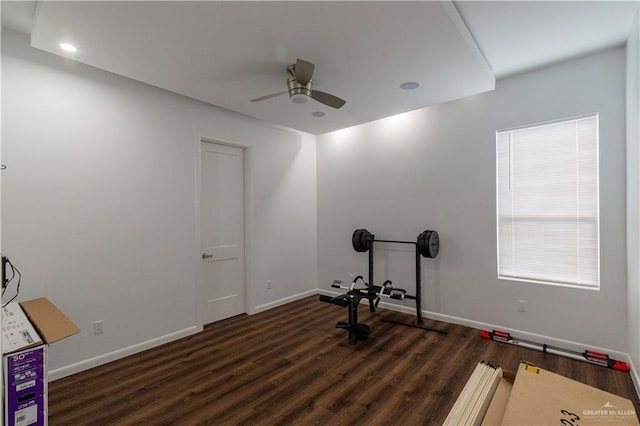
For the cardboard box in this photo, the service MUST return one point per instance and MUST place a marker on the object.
(25, 387)
(539, 397)
(27, 329)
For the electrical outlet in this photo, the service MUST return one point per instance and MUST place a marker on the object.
(97, 327)
(522, 306)
(268, 284)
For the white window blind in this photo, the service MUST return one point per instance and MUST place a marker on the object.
(547, 196)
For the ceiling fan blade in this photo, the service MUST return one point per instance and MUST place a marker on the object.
(272, 95)
(328, 99)
(304, 72)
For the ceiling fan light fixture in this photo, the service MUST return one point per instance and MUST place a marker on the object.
(298, 93)
(299, 98)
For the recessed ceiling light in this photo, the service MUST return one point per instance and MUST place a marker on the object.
(318, 114)
(68, 47)
(409, 85)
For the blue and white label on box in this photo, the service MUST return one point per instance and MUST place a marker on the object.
(25, 387)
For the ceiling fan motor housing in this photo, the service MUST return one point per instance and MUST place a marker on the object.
(299, 94)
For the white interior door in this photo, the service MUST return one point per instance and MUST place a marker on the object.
(222, 231)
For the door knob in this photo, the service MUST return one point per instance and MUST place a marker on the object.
(205, 255)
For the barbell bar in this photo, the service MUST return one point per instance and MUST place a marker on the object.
(428, 242)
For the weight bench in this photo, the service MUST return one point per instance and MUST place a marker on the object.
(351, 299)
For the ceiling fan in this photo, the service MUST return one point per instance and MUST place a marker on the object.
(299, 87)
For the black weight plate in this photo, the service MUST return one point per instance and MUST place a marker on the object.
(422, 244)
(428, 244)
(434, 244)
(355, 240)
(365, 240)
(359, 240)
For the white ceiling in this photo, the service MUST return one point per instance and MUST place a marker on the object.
(226, 53)
(522, 35)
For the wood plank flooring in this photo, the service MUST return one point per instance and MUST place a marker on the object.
(291, 366)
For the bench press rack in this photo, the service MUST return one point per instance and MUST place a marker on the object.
(427, 245)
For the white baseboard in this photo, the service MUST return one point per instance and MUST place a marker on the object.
(284, 301)
(525, 335)
(68, 370)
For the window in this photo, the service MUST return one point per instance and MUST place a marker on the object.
(547, 203)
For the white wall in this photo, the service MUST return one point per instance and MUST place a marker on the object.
(99, 201)
(633, 191)
(434, 168)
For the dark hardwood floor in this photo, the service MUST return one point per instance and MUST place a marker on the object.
(289, 365)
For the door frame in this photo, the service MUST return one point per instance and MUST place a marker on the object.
(248, 214)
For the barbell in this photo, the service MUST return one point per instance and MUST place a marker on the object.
(428, 242)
